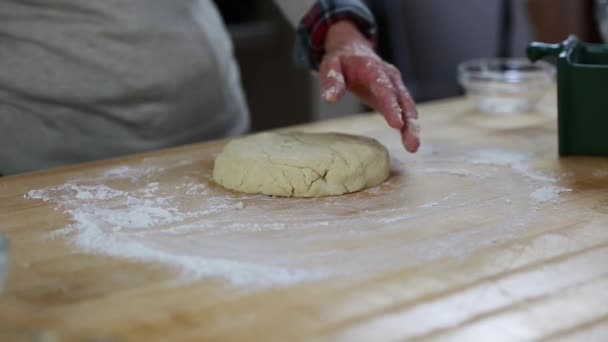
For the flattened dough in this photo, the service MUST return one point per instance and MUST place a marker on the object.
(301, 164)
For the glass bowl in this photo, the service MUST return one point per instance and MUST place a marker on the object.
(511, 85)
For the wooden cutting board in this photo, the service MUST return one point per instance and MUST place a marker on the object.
(484, 233)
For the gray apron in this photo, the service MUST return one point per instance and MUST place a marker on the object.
(85, 80)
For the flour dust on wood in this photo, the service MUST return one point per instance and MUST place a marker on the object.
(170, 214)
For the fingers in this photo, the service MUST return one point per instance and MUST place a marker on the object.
(332, 79)
(378, 84)
(410, 133)
(372, 76)
(405, 99)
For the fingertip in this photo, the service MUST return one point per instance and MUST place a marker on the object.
(333, 93)
(411, 136)
(330, 95)
(411, 143)
(414, 146)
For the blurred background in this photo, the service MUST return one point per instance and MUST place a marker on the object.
(426, 40)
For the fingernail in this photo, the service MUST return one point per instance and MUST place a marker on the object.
(411, 142)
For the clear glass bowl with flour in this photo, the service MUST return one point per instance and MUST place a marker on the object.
(505, 86)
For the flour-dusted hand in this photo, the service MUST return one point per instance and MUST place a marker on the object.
(335, 37)
(350, 63)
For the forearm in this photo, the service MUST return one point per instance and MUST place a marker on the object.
(314, 27)
(314, 19)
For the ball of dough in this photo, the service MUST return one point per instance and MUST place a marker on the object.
(301, 164)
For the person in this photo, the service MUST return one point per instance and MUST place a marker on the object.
(87, 80)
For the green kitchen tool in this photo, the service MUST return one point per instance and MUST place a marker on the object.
(582, 83)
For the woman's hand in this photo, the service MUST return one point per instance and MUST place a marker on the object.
(350, 63)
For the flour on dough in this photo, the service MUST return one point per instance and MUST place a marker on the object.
(301, 164)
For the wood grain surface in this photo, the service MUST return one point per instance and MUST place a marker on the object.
(485, 234)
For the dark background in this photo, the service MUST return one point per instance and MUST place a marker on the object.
(426, 40)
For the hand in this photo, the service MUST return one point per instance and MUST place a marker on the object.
(350, 63)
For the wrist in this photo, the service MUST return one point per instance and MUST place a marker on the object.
(342, 33)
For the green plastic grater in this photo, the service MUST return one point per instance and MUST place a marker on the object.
(582, 83)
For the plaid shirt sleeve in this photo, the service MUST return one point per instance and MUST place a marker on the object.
(313, 28)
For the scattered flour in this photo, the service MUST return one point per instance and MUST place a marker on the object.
(194, 189)
(449, 196)
(548, 194)
(429, 150)
(94, 238)
(451, 172)
(497, 157)
(121, 172)
(130, 172)
(514, 160)
(109, 221)
(79, 192)
(429, 205)
(199, 231)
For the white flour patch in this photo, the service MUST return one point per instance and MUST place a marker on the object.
(497, 157)
(120, 172)
(131, 173)
(429, 205)
(134, 225)
(395, 219)
(516, 161)
(546, 190)
(94, 238)
(450, 172)
(84, 193)
(548, 194)
(427, 150)
(432, 204)
(449, 196)
(194, 189)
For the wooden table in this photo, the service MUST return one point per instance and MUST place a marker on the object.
(484, 235)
